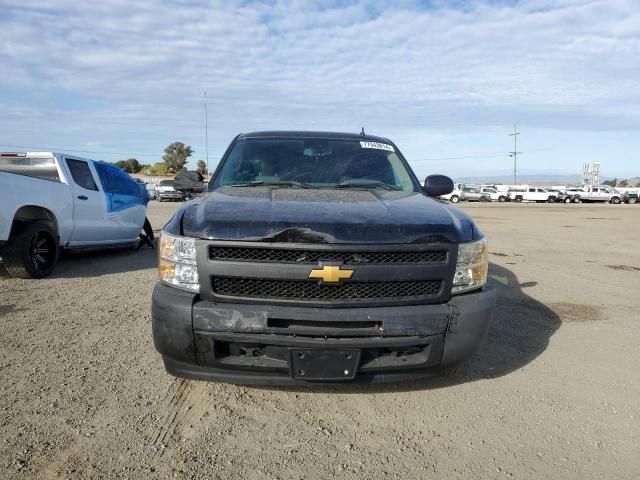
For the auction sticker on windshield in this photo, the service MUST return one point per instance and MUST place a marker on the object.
(379, 146)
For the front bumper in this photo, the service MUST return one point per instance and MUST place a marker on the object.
(169, 195)
(256, 344)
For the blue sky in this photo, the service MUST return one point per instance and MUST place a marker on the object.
(445, 80)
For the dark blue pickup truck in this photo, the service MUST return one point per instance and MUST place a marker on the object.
(319, 257)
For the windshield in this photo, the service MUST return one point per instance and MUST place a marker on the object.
(165, 183)
(316, 163)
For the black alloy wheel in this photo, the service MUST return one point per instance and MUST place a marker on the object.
(32, 251)
(42, 251)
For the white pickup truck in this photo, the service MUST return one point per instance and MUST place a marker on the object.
(590, 194)
(52, 201)
(532, 194)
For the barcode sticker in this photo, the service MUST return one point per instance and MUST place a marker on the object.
(377, 145)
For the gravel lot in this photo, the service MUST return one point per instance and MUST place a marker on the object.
(553, 394)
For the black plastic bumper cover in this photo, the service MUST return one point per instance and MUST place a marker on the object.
(251, 344)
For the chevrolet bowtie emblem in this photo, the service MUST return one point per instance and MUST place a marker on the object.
(330, 274)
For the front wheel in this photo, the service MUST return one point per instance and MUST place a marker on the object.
(518, 198)
(146, 235)
(567, 200)
(454, 199)
(32, 253)
(502, 198)
(615, 200)
(551, 200)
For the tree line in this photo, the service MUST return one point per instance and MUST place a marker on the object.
(622, 183)
(173, 161)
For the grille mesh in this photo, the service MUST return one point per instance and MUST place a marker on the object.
(305, 290)
(278, 255)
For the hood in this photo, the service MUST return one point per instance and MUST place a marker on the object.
(322, 216)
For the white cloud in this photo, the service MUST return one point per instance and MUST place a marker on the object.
(294, 64)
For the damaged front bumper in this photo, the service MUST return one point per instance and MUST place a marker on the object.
(268, 344)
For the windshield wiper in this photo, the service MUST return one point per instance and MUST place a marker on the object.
(275, 183)
(366, 184)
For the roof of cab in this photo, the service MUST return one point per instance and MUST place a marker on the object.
(303, 134)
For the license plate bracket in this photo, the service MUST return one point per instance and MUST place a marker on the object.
(322, 364)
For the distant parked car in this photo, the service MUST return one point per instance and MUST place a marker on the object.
(563, 197)
(576, 193)
(471, 193)
(494, 195)
(474, 194)
(454, 196)
(165, 191)
(151, 191)
(189, 182)
(533, 194)
(630, 197)
(503, 191)
(603, 194)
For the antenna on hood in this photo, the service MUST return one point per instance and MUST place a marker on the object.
(362, 134)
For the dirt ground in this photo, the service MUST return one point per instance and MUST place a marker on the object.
(553, 393)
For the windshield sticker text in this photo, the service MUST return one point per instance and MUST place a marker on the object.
(379, 146)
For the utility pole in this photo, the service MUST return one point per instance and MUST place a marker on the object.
(515, 153)
(206, 133)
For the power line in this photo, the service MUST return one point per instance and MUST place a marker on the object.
(61, 149)
(499, 155)
(157, 155)
(515, 153)
(71, 150)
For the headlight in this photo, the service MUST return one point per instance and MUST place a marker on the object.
(472, 266)
(177, 262)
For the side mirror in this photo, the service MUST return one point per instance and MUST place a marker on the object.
(436, 185)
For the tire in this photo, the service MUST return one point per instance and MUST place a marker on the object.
(32, 253)
(454, 199)
(502, 198)
(567, 200)
(551, 200)
(146, 236)
(615, 200)
(518, 198)
(147, 229)
(485, 199)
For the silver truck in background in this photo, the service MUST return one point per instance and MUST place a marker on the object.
(471, 193)
(164, 190)
(589, 194)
